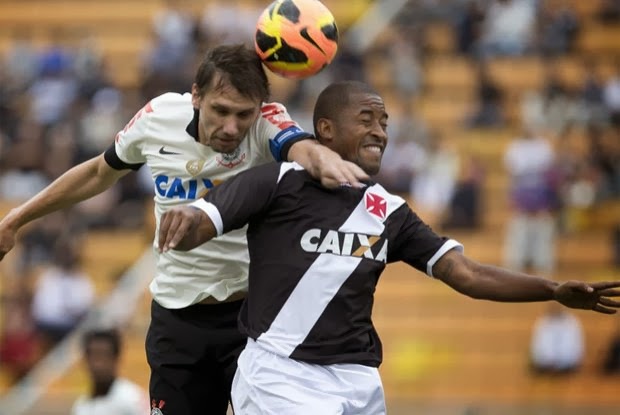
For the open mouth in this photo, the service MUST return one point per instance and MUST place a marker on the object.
(374, 148)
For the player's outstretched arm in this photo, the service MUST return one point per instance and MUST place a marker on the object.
(326, 165)
(487, 282)
(77, 184)
(183, 228)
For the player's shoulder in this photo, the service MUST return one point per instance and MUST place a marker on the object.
(377, 194)
(273, 171)
(276, 114)
(172, 98)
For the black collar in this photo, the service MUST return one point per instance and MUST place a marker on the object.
(192, 127)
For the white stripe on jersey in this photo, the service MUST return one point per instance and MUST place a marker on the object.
(322, 281)
(306, 304)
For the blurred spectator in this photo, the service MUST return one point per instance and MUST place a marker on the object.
(530, 239)
(407, 74)
(591, 96)
(508, 28)
(63, 294)
(611, 358)
(464, 208)
(611, 94)
(22, 60)
(22, 176)
(609, 11)
(18, 342)
(488, 111)
(109, 393)
(103, 118)
(230, 21)
(558, 28)
(433, 183)
(553, 107)
(604, 144)
(172, 53)
(557, 345)
(52, 94)
(404, 155)
(349, 63)
(468, 28)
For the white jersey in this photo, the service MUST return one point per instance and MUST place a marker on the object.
(164, 135)
(124, 398)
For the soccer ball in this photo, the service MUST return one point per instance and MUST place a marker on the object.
(296, 38)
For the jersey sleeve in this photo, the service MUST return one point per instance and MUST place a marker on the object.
(232, 204)
(278, 131)
(416, 243)
(129, 142)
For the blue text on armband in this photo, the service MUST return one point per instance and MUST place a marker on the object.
(282, 138)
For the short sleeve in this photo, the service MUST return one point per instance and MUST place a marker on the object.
(129, 142)
(278, 130)
(415, 243)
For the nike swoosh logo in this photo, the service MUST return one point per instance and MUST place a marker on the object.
(162, 150)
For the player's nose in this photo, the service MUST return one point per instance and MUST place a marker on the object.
(231, 127)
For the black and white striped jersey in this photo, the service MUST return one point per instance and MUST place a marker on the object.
(316, 255)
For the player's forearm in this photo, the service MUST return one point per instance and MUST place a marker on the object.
(487, 282)
(308, 153)
(498, 284)
(77, 184)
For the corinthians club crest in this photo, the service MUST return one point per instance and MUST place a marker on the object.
(230, 160)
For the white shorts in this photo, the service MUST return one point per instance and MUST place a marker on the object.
(266, 383)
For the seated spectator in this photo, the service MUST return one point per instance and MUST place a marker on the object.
(530, 238)
(558, 30)
(18, 342)
(609, 11)
(557, 345)
(508, 28)
(109, 393)
(63, 294)
(464, 209)
(488, 111)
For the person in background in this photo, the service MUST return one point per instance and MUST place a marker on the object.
(109, 394)
(557, 345)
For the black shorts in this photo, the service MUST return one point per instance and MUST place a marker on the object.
(193, 355)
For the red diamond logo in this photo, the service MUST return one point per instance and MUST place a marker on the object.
(376, 205)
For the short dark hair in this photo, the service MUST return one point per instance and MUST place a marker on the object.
(334, 98)
(238, 65)
(112, 336)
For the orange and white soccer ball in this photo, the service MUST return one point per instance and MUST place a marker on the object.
(296, 38)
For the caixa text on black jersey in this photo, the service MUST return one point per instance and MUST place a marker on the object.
(373, 247)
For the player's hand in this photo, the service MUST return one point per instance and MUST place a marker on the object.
(7, 239)
(176, 224)
(596, 296)
(333, 171)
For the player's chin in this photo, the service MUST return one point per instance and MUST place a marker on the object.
(371, 167)
(225, 146)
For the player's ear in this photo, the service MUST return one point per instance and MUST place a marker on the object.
(196, 96)
(325, 130)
